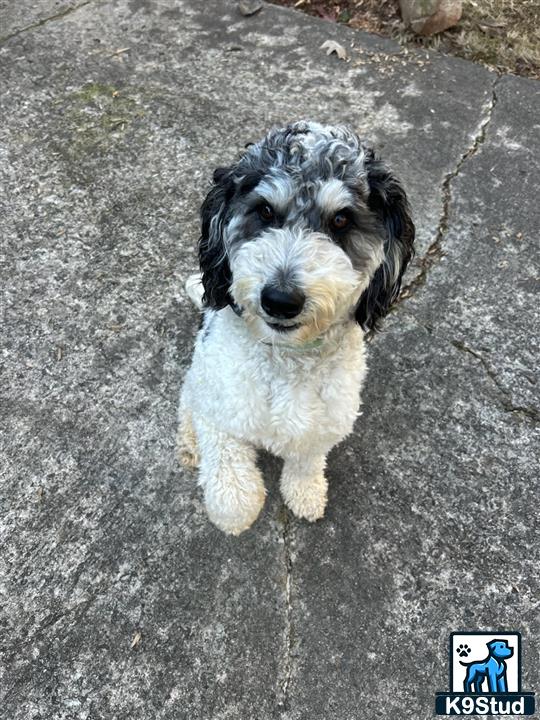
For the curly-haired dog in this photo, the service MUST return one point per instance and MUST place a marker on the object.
(304, 242)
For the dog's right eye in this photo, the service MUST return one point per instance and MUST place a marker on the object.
(341, 221)
(265, 212)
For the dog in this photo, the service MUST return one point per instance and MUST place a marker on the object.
(493, 668)
(303, 246)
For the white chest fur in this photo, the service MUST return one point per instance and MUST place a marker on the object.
(282, 399)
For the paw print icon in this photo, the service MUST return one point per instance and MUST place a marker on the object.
(463, 650)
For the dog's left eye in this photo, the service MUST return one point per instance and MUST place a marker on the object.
(340, 221)
(265, 212)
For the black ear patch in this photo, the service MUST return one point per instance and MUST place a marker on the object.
(213, 261)
(388, 202)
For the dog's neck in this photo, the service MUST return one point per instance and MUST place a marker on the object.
(313, 345)
(325, 344)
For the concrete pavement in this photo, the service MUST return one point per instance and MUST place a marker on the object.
(117, 598)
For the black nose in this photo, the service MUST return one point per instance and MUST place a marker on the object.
(281, 304)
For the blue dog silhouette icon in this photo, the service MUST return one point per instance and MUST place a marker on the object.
(493, 668)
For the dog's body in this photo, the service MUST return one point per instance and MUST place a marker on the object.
(279, 361)
(493, 668)
(239, 395)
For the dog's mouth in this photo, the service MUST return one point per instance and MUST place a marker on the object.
(281, 328)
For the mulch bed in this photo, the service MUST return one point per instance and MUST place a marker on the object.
(501, 34)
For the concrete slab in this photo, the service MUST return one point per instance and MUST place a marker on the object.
(117, 598)
(434, 520)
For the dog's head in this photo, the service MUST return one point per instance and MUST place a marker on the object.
(500, 649)
(307, 229)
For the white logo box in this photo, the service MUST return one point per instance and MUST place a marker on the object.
(477, 642)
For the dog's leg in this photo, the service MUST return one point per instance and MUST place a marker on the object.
(492, 679)
(304, 485)
(233, 486)
(186, 440)
(478, 682)
(468, 684)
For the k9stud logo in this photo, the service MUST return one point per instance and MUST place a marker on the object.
(485, 676)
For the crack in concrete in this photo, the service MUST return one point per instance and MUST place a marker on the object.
(283, 702)
(435, 251)
(77, 612)
(57, 16)
(525, 410)
(529, 411)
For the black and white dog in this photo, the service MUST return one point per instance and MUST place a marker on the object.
(304, 243)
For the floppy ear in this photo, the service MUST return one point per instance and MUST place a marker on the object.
(388, 202)
(213, 260)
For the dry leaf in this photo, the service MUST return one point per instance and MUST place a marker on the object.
(331, 46)
(491, 23)
(329, 14)
(249, 7)
(136, 640)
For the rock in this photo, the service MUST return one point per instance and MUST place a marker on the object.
(427, 17)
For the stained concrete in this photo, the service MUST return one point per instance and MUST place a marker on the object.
(117, 598)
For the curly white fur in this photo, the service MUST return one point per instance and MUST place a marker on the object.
(295, 402)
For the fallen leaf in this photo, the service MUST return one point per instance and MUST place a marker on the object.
(331, 46)
(136, 640)
(249, 7)
(329, 15)
(491, 24)
(491, 30)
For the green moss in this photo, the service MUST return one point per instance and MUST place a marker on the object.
(97, 116)
(90, 92)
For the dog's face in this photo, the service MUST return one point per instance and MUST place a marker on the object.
(307, 230)
(500, 649)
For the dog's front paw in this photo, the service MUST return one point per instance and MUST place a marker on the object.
(233, 510)
(306, 500)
